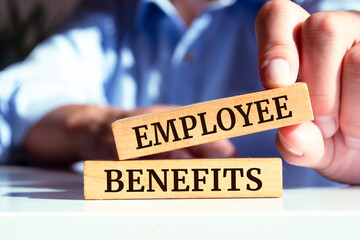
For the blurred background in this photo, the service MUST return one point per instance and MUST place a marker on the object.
(24, 23)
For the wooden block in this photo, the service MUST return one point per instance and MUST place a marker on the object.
(210, 121)
(190, 178)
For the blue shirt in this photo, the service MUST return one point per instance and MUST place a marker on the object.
(143, 54)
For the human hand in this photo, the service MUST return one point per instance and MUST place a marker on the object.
(323, 50)
(97, 141)
(78, 132)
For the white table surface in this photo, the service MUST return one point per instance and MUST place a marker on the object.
(47, 204)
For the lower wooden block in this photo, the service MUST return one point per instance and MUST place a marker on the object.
(190, 178)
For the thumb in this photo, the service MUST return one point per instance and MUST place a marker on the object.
(277, 28)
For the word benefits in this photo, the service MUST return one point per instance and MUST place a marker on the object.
(205, 178)
(211, 121)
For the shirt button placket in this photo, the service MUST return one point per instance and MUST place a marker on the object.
(189, 57)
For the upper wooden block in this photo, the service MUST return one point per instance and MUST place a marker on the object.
(210, 121)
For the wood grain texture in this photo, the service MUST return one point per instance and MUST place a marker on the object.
(210, 121)
(190, 178)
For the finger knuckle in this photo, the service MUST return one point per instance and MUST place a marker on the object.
(271, 8)
(323, 25)
(323, 103)
(349, 125)
(352, 60)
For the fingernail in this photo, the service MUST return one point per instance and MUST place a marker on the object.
(221, 154)
(289, 147)
(277, 73)
(215, 154)
(353, 143)
(327, 125)
(181, 154)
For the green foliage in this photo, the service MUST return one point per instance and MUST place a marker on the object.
(19, 36)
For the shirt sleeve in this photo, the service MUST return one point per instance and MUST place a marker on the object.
(328, 5)
(71, 67)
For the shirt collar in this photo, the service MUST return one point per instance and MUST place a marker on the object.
(168, 7)
(147, 7)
